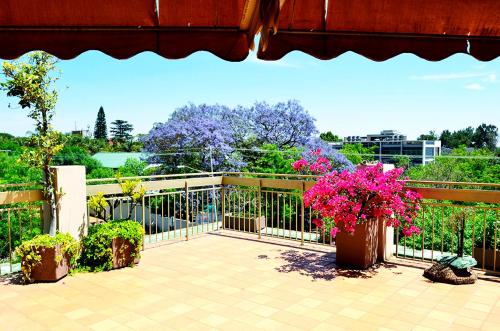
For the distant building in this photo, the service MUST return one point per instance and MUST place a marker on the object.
(116, 160)
(391, 142)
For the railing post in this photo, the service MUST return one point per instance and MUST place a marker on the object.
(223, 199)
(144, 223)
(302, 213)
(186, 189)
(259, 206)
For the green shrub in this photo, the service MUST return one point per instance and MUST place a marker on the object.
(97, 252)
(29, 251)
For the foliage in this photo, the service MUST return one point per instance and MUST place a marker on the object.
(330, 137)
(24, 225)
(121, 131)
(343, 199)
(460, 166)
(357, 154)
(484, 136)
(285, 124)
(12, 171)
(32, 82)
(133, 190)
(429, 136)
(133, 167)
(275, 161)
(99, 204)
(75, 155)
(29, 251)
(439, 235)
(101, 129)
(97, 254)
(101, 173)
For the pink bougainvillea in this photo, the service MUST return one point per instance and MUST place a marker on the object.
(343, 199)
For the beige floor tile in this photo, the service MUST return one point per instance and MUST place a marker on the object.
(216, 282)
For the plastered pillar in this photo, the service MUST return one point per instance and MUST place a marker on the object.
(72, 204)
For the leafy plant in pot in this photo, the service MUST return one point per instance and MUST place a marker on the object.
(117, 243)
(48, 258)
(32, 81)
(352, 205)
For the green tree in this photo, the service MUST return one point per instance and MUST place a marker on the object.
(75, 155)
(330, 137)
(460, 166)
(356, 153)
(446, 138)
(101, 129)
(486, 136)
(121, 131)
(275, 161)
(430, 136)
(32, 82)
(132, 167)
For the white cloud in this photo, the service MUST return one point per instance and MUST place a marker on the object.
(474, 87)
(452, 76)
(491, 78)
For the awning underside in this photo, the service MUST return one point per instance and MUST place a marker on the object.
(377, 29)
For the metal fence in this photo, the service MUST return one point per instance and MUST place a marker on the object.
(20, 219)
(178, 207)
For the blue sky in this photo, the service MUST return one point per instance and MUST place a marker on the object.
(350, 95)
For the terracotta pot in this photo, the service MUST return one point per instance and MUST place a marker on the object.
(489, 254)
(48, 270)
(122, 250)
(247, 224)
(359, 250)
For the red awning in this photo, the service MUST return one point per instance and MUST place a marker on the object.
(123, 28)
(377, 29)
(381, 29)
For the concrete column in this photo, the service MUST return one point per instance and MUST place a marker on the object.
(72, 205)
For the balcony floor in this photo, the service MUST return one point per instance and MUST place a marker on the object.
(231, 281)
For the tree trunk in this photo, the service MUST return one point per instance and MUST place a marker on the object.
(50, 199)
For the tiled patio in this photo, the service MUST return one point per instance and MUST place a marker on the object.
(221, 282)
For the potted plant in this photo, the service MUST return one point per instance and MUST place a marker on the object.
(112, 245)
(351, 206)
(47, 258)
(487, 247)
(117, 243)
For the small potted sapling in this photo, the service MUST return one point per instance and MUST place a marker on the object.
(455, 269)
(116, 243)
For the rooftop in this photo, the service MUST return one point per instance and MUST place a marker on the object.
(226, 280)
(117, 160)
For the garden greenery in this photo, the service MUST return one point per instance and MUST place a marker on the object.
(29, 251)
(97, 254)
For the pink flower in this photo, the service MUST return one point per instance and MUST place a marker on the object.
(334, 231)
(344, 199)
(299, 165)
(318, 222)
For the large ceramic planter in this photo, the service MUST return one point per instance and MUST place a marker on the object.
(246, 224)
(359, 250)
(48, 270)
(489, 258)
(122, 250)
